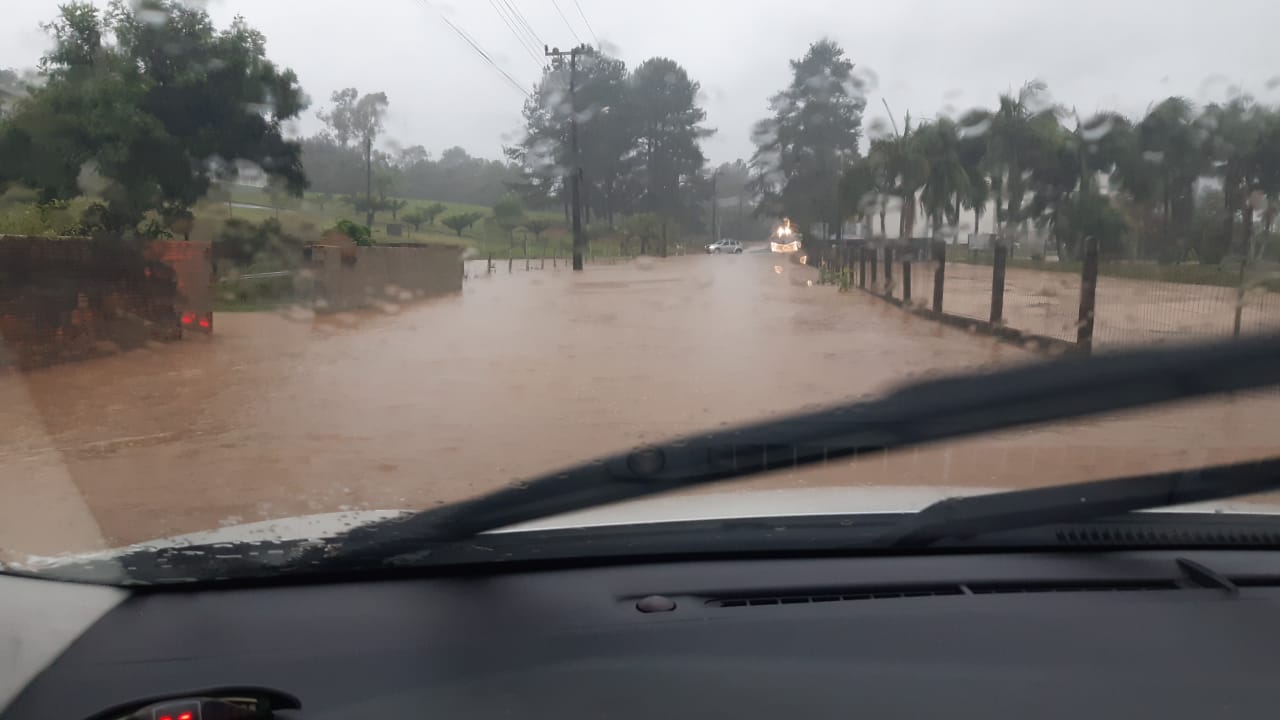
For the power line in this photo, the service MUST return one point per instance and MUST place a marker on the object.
(566, 21)
(524, 23)
(513, 22)
(479, 50)
(521, 39)
(476, 44)
(586, 22)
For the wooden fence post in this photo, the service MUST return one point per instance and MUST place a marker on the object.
(489, 265)
(1240, 291)
(888, 270)
(906, 280)
(1000, 259)
(939, 273)
(875, 262)
(862, 267)
(1088, 295)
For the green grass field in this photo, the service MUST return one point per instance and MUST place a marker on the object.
(308, 217)
(311, 215)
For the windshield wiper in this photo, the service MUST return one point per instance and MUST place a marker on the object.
(967, 517)
(922, 413)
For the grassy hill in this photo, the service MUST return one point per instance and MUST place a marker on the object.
(309, 216)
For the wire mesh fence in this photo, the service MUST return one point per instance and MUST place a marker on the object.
(1043, 303)
(1093, 306)
(1139, 312)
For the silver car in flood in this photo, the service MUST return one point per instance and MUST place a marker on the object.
(724, 246)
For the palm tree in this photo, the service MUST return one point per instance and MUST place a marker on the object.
(903, 170)
(1064, 170)
(1160, 168)
(1013, 129)
(946, 180)
(974, 157)
(1233, 134)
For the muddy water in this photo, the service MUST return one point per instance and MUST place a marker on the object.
(280, 414)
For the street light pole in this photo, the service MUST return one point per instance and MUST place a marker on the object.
(575, 176)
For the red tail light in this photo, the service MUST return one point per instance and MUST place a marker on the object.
(206, 322)
(188, 318)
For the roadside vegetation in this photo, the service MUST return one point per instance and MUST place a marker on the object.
(72, 160)
(1180, 184)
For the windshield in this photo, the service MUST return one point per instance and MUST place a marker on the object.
(261, 261)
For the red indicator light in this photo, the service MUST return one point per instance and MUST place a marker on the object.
(204, 323)
(187, 319)
(185, 716)
(166, 717)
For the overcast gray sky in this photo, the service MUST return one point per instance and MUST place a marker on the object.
(930, 56)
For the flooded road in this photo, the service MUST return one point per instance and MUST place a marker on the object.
(280, 414)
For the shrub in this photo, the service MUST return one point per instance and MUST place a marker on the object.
(359, 234)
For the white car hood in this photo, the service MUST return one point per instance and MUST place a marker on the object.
(728, 504)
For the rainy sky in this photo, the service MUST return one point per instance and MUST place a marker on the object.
(930, 56)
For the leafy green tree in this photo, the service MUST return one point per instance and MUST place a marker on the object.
(537, 226)
(607, 140)
(13, 87)
(433, 211)
(508, 214)
(1015, 127)
(646, 228)
(242, 244)
(362, 204)
(669, 131)
(973, 145)
(359, 234)
(395, 206)
(1243, 141)
(509, 209)
(356, 118)
(813, 133)
(415, 218)
(461, 221)
(1064, 171)
(946, 180)
(901, 171)
(146, 107)
(858, 196)
(606, 136)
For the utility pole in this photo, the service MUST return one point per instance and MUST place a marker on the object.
(715, 207)
(575, 177)
(368, 181)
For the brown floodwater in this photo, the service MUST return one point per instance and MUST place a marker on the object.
(285, 413)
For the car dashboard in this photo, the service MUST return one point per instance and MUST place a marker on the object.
(1149, 633)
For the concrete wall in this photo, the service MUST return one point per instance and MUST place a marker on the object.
(346, 277)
